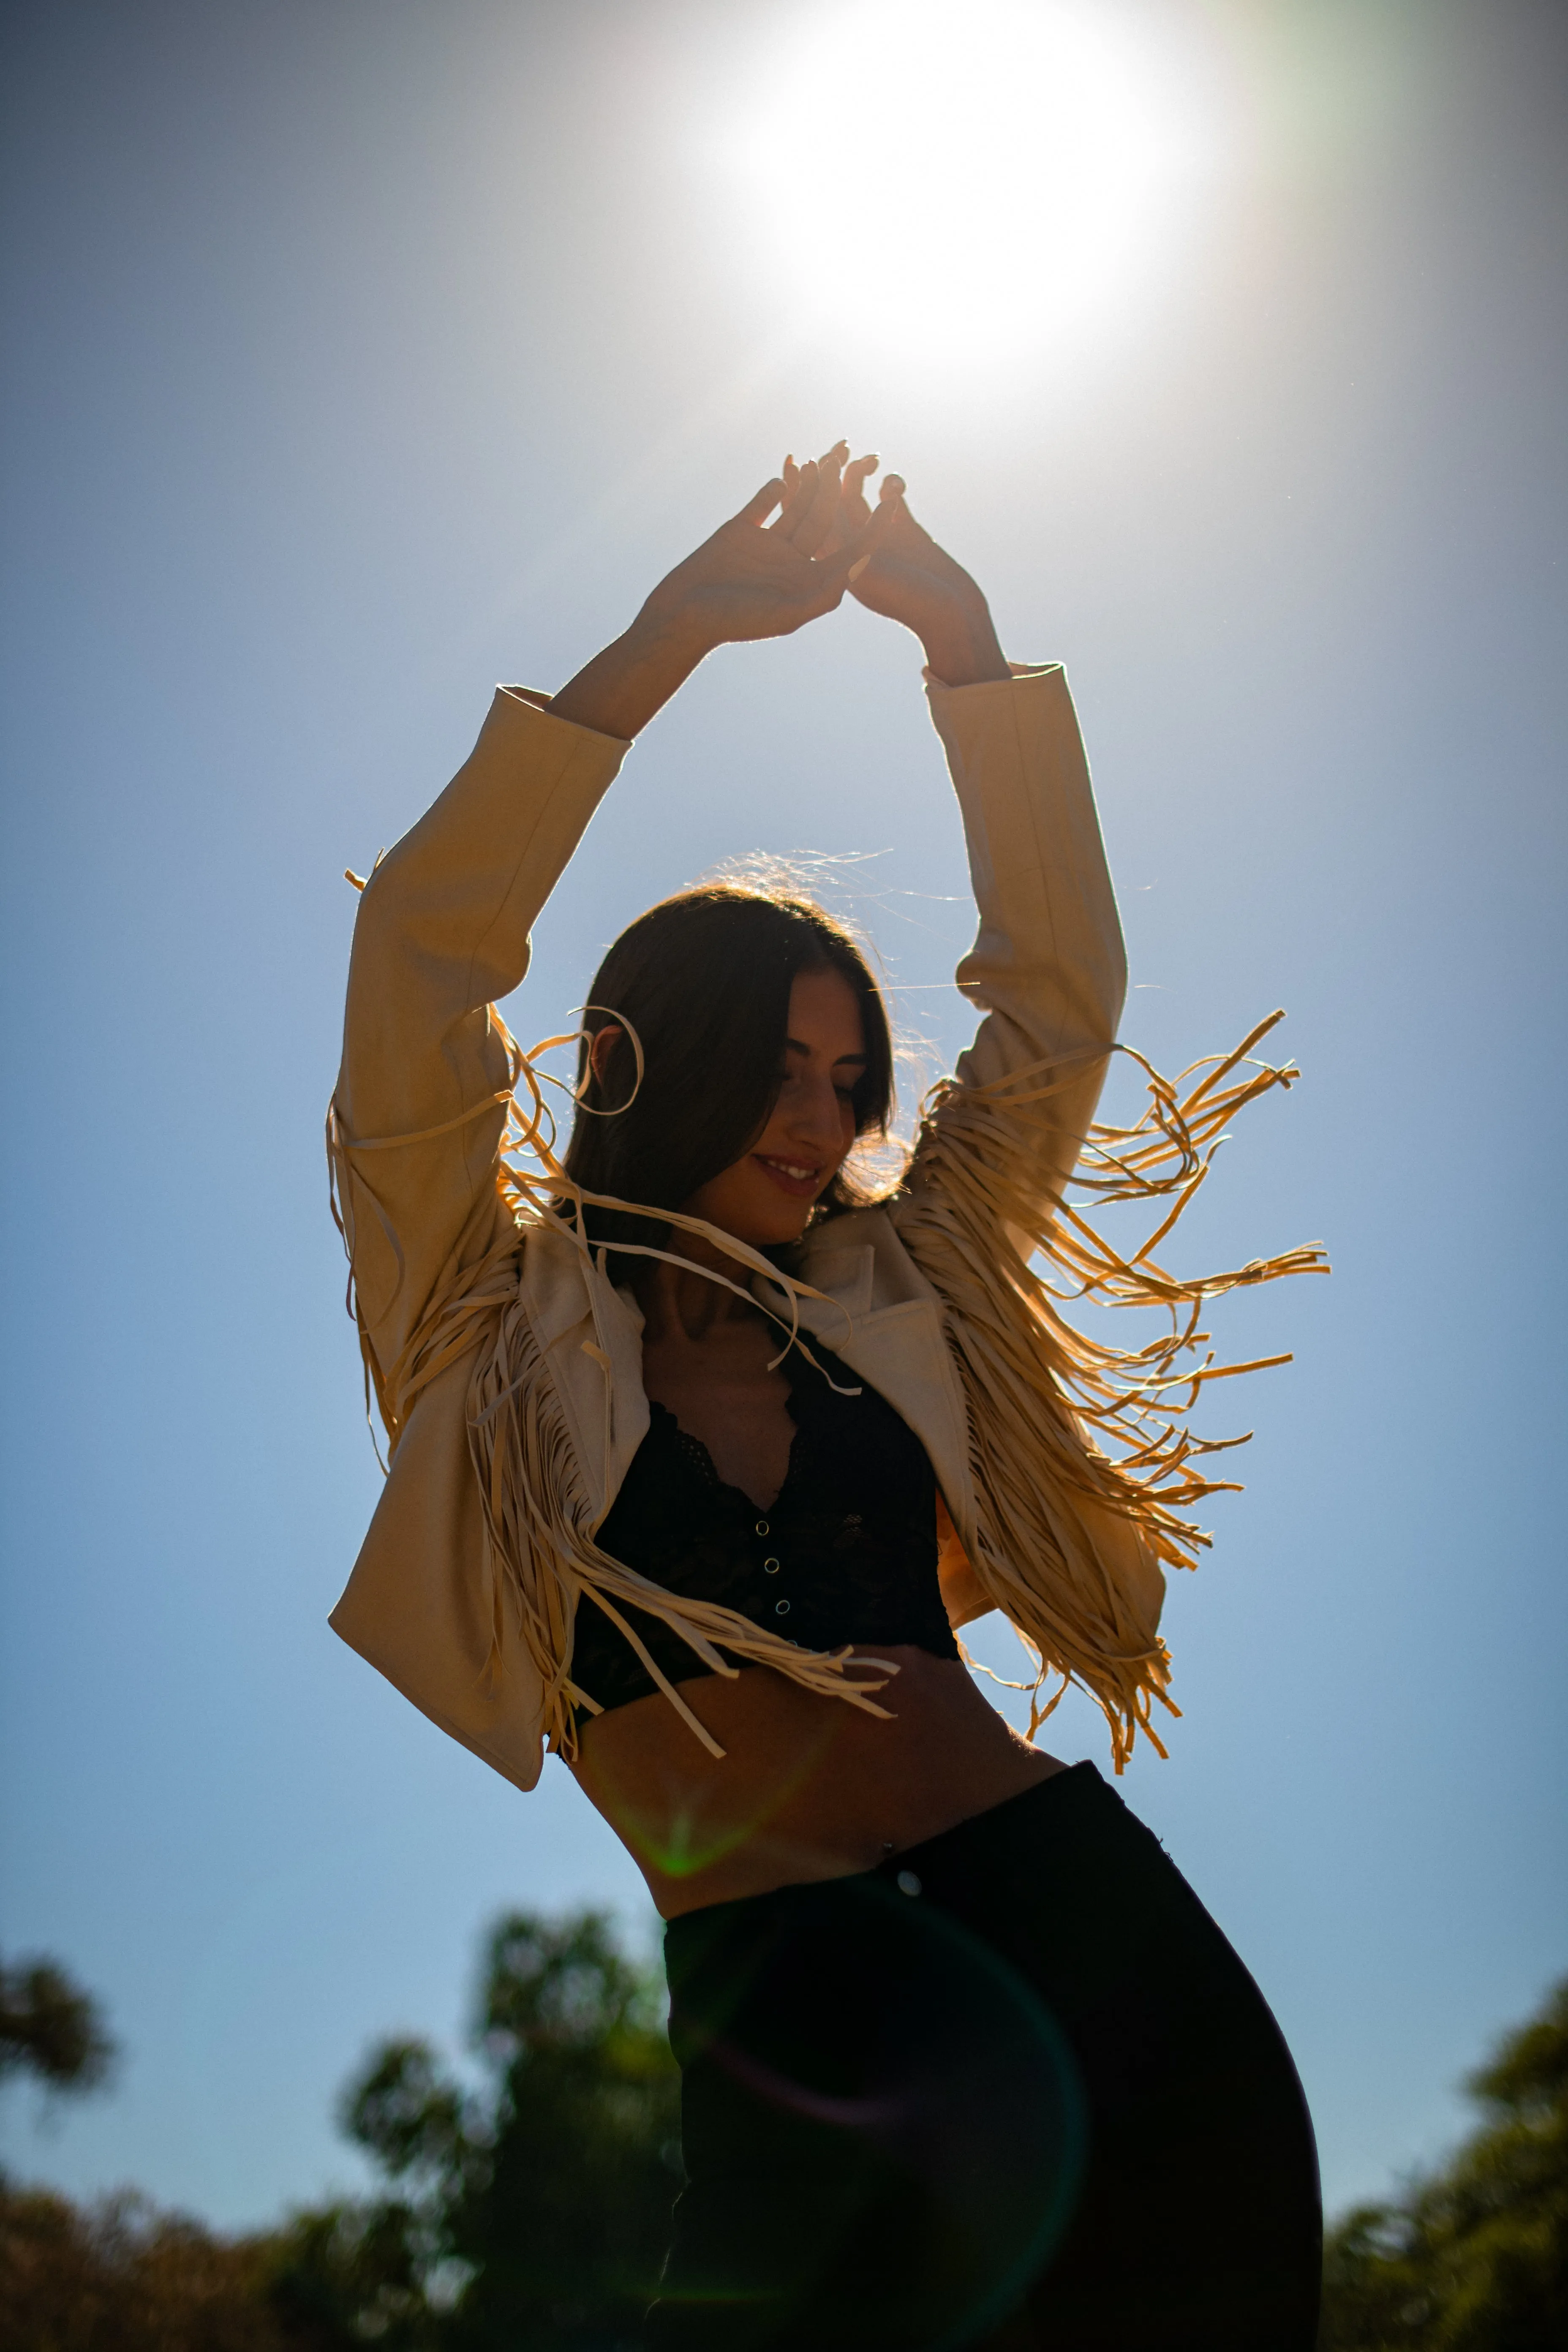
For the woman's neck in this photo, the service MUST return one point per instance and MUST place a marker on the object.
(676, 1293)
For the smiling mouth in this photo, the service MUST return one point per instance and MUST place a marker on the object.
(796, 1177)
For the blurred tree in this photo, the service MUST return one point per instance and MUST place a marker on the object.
(121, 2277)
(1475, 2257)
(51, 2028)
(539, 2203)
(125, 2278)
(341, 2276)
(530, 2211)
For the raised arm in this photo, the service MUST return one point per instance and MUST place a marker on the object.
(442, 930)
(1046, 967)
(1052, 1533)
(443, 925)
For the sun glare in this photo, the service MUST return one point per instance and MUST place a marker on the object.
(973, 179)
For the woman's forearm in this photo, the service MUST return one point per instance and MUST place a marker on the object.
(621, 689)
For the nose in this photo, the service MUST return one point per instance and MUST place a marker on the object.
(816, 1111)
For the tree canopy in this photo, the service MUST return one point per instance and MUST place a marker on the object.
(540, 2201)
(51, 2028)
(1474, 2256)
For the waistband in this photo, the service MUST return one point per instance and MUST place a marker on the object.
(1071, 1807)
(1052, 1808)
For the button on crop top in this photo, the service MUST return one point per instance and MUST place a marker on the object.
(845, 1552)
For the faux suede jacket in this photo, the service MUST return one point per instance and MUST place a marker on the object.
(508, 1366)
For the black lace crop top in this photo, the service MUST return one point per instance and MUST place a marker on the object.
(845, 1552)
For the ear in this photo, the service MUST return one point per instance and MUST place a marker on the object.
(605, 1040)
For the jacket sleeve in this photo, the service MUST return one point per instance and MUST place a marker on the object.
(1047, 966)
(443, 930)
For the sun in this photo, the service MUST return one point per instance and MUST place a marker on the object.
(967, 178)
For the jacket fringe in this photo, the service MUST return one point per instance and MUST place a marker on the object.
(1066, 1430)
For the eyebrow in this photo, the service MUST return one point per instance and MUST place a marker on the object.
(795, 1045)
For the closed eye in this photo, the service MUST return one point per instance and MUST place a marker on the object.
(854, 1063)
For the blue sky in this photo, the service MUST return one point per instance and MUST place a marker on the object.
(359, 356)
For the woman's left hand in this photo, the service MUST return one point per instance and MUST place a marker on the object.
(910, 579)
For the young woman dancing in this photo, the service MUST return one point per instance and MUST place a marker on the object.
(704, 1448)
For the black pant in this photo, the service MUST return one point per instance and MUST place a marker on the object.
(1012, 2090)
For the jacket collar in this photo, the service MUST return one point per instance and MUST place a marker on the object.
(877, 1314)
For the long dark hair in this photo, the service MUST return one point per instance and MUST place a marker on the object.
(704, 978)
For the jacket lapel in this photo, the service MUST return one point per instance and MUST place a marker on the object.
(589, 1335)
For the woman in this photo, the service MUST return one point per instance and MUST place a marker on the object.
(698, 1499)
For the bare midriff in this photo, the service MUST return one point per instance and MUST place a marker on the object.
(808, 1787)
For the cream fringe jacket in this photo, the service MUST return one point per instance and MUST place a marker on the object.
(508, 1368)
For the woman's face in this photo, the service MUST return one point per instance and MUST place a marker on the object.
(768, 1196)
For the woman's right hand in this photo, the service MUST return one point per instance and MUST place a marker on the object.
(756, 579)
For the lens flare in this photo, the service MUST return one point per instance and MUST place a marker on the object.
(963, 181)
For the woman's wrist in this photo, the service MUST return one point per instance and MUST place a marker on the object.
(962, 647)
